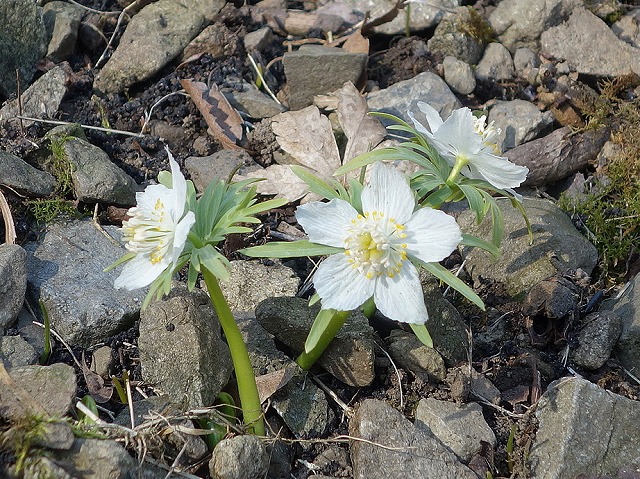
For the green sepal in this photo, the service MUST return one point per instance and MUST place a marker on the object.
(422, 333)
(470, 240)
(314, 299)
(452, 280)
(323, 319)
(165, 179)
(118, 262)
(289, 249)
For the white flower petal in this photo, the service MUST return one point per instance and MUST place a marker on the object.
(340, 285)
(181, 233)
(458, 132)
(401, 298)
(146, 200)
(433, 117)
(497, 170)
(419, 126)
(179, 188)
(388, 192)
(139, 272)
(326, 223)
(431, 235)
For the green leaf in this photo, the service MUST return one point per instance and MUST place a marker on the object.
(323, 319)
(119, 261)
(476, 201)
(422, 333)
(520, 207)
(293, 249)
(314, 299)
(316, 185)
(452, 280)
(470, 240)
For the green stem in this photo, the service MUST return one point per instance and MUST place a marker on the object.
(247, 390)
(308, 359)
(461, 162)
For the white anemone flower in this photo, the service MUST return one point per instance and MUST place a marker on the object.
(469, 142)
(378, 246)
(156, 231)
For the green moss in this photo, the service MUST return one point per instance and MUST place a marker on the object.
(21, 439)
(49, 209)
(477, 27)
(60, 166)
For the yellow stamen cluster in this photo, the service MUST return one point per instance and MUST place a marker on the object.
(374, 245)
(148, 231)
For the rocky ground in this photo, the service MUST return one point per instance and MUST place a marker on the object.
(541, 384)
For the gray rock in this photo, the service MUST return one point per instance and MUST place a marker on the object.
(65, 271)
(460, 427)
(258, 39)
(62, 21)
(43, 467)
(251, 282)
(496, 64)
(101, 361)
(205, 169)
(590, 47)
(172, 440)
(519, 23)
(22, 43)
(584, 430)
(627, 308)
(181, 349)
(459, 75)
(53, 387)
(154, 36)
(253, 102)
(456, 36)
(15, 351)
(13, 282)
(557, 246)
(30, 332)
(423, 15)
(300, 404)
(407, 350)
(524, 58)
(519, 122)
(628, 29)
(314, 70)
(598, 335)
(40, 100)
(95, 177)
(239, 457)
(403, 96)
(23, 177)
(349, 357)
(409, 451)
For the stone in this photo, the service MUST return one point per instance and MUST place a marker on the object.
(524, 58)
(459, 75)
(627, 28)
(584, 430)
(62, 21)
(314, 70)
(408, 352)
(404, 96)
(24, 178)
(95, 177)
(258, 40)
(253, 102)
(422, 15)
(557, 247)
(15, 351)
(101, 362)
(239, 457)
(301, 405)
(409, 451)
(349, 357)
(205, 169)
(519, 122)
(30, 332)
(598, 334)
(519, 23)
(65, 270)
(53, 387)
(13, 282)
(252, 281)
(454, 36)
(496, 64)
(627, 307)
(22, 43)
(153, 37)
(181, 349)
(572, 41)
(42, 99)
(460, 427)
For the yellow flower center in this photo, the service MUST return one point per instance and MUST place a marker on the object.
(149, 232)
(375, 245)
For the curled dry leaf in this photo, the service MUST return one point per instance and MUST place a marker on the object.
(271, 383)
(223, 120)
(95, 384)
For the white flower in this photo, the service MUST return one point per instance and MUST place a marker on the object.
(463, 137)
(156, 231)
(378, 246)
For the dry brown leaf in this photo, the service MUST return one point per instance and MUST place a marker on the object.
(356, 43)
(95, 384)
(271, 383)
(224, 121)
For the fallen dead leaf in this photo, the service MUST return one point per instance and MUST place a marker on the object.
(271, 383)
(95, 384)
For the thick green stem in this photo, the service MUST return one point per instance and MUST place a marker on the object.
(461, 162)
(308, 359)
(247, 390)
